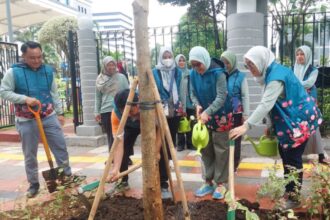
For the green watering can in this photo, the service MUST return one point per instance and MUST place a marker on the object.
(267, 146)
(184, 125)
(200, 137)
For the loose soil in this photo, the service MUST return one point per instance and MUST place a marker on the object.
(126, 208)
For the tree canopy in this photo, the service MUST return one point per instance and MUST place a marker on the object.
(55, 31)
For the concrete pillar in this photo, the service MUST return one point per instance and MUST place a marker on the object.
(247, 27)
(90, 133)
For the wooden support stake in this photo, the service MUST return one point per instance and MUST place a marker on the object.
(164, 125)
(106, 171)
(164, 149)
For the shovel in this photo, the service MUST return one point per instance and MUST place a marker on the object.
(232, 206)
(50, 175)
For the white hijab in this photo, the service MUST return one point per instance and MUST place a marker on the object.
(167, 72)
(300, 69)
(262, 58)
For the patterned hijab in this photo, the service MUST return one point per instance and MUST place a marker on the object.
(107, 82)
(300, 69)
(231, 58)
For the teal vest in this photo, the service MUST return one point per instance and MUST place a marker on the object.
(205, 87)
(234, 88)
(296, 116)
(36, 84)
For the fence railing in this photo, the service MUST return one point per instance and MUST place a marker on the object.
(181, 38)
(8, 56)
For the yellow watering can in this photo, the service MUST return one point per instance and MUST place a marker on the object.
(200, 137)
(184, 125)
(266, 147)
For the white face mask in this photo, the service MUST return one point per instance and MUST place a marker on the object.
(259, 80)
(168, 62)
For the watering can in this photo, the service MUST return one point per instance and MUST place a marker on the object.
(200, 137)
(184, 125)
(266, 147)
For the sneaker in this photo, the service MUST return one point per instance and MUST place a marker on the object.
(291, 204)
(33, 190)
(219, 192)
(204, 190)
(165, 193)
(119, 187)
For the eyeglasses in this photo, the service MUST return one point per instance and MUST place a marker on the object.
(196, 65)
(248, 65)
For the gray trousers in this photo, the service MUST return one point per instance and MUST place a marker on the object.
(216, 157)
(29, 135)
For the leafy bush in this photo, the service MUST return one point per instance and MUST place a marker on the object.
(318, 197)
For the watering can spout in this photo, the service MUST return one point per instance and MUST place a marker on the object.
(267, 146)
(247, 138)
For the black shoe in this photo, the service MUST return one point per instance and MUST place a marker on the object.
(33, 190)
(180, 148)
(130, 162)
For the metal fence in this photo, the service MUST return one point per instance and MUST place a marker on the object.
(181, 38)
(288, 32)
(8, 56)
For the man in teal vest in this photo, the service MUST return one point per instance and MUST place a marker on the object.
(29, 83)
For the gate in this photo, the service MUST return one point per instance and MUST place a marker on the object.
(75, 79)
(8, 56)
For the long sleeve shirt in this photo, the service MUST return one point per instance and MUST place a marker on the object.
(272, 91)
(245, 97)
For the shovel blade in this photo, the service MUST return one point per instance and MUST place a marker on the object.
(50, 177)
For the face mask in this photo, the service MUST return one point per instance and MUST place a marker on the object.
(168, 62)
(259, 80)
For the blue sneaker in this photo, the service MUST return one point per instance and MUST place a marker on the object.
(204, 190)
(219, 192)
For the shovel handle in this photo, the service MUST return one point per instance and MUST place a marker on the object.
(36, 114)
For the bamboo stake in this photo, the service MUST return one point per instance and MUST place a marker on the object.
(164, 125)
(122, 123)
(165, 154)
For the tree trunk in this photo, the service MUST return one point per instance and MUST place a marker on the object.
(152, 202)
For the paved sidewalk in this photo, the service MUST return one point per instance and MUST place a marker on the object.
(90, 161)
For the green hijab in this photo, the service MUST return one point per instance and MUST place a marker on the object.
(231, 58)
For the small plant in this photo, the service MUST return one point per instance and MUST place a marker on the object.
(274, 189)
(249, 215)
(318, 196)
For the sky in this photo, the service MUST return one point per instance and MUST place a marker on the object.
(159, 15)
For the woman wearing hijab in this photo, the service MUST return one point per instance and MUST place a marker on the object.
(209, 91)
(168, 79)
(293, 113)
(187, 107)
(307, 75)
(108, 83)
(237, 97)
